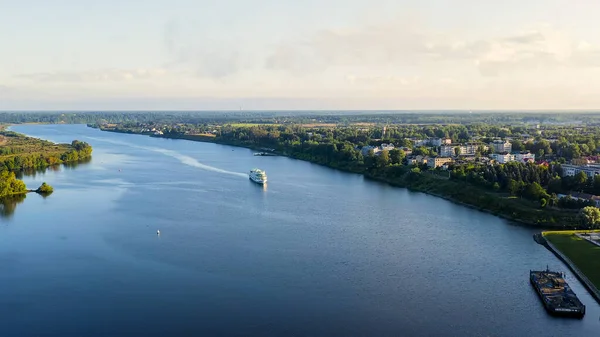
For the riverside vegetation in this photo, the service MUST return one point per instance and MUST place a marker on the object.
(19, 152)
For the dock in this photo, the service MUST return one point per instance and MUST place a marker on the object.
(556, 295)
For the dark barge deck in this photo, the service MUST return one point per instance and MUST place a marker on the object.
(556, 295)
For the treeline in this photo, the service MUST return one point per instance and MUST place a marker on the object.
(77, 151)
(295, 117)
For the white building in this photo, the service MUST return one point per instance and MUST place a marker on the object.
(524, 157)
(502, 158)
(501, 146)
(469, 149)
(388, 147)
(440, 141)
(589, 170)
(365, 150)
(447, 150)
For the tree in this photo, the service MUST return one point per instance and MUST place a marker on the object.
(580, 180)
(513, 187)
(517, 145)
(555, 185)
(535, 191)
(383, 159)
(589, 217)
(396, 156)
(45, 189)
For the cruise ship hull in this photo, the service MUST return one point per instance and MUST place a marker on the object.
(258, 181)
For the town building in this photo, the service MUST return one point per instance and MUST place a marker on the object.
(501, 146)
(438, 161)
(439, 141)
(468, 149)
(388, 147)
(590, 170)
(365, 150)
(447, 150)
(502, 158)
(524, 157)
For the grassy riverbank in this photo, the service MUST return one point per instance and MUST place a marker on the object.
(583, 254)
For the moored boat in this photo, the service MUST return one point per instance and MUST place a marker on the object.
(556, 295)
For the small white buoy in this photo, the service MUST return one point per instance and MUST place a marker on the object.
(157, 232)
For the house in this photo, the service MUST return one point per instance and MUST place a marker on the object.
(385, 146)
(417, 160)
(438, 161)
(501, 146)
(365, 150)
(524, 157)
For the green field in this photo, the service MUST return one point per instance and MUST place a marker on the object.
(585, 255)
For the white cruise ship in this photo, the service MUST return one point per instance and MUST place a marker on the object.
(258, 176)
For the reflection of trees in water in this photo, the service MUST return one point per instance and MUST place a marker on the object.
(56, 168)
(9, 204)
(82, 162)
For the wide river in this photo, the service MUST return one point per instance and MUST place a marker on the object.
(317, 252)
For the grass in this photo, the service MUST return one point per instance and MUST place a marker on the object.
(585, 255)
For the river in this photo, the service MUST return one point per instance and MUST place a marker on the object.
(317, 252)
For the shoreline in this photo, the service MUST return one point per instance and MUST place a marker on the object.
(587, 284)
(367, 175)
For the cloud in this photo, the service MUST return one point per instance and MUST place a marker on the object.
(108, 75)
(380, 80)
(200, 56)
(402, 44)
(171, 34)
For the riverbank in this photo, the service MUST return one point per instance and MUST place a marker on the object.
(514, 209)
(578, 254)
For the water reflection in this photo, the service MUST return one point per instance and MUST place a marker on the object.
(9, 204)
(67, 166)
(83, 162)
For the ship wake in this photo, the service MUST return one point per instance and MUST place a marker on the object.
(184, 159)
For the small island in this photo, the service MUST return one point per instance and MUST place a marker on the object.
(45, 189)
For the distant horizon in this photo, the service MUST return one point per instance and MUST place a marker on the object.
(319, 110)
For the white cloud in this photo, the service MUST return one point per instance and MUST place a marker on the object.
(108, 75)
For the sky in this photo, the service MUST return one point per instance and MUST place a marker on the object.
(299, 55)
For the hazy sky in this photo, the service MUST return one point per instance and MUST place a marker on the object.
(308, 54)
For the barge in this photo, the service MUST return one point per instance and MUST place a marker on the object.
(556, 295)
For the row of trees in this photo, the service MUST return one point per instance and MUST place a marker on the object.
(76, 152)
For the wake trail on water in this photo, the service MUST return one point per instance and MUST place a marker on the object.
(184, 159)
